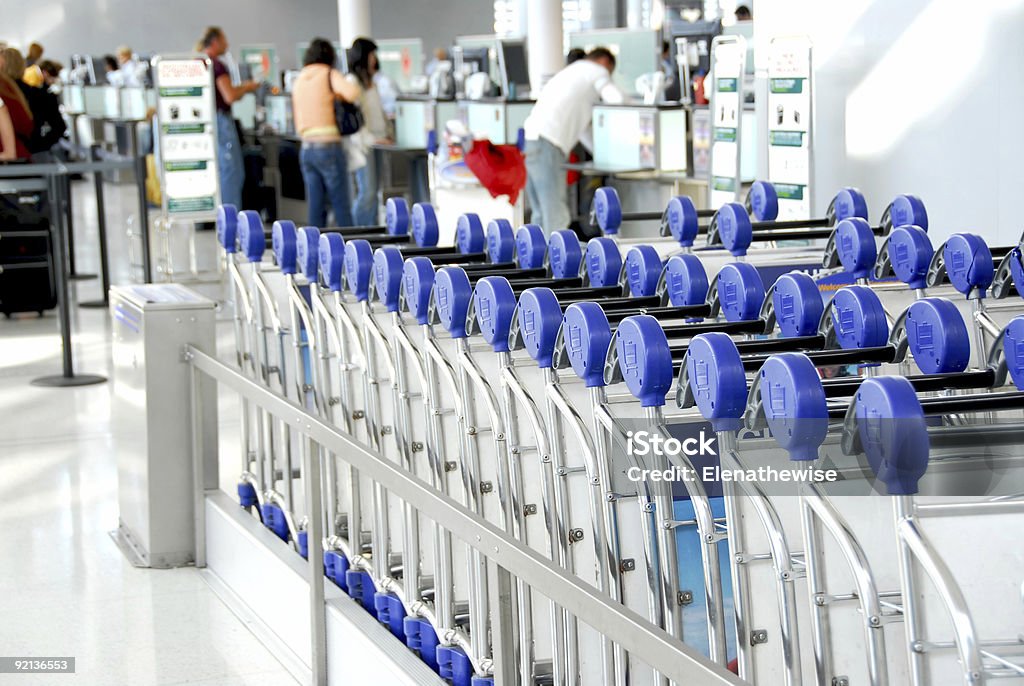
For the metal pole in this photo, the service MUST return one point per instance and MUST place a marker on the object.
(55, 187)
(198, 465)
(140, 183)
(63, 265)
(67, 210)
(315, 554)
(101, 228)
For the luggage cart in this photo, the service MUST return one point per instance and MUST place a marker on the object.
(387, 267)
(269, 360)
(488, 399)
(250, 493)
(819, 513)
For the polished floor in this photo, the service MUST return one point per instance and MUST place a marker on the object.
(65, 587)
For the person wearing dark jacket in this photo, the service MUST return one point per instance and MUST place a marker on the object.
(48, 125)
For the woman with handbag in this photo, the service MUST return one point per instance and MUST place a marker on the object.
(323, 111)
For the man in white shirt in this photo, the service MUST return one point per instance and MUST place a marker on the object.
(559, 119)
(128, 70)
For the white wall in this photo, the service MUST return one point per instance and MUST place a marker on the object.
(99, 26)
(916, 96)
(437, 22)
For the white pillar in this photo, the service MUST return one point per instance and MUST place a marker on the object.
(353, 20)
(544, 40)
(635, 14)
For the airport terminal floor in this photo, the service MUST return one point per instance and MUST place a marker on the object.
(67, 588)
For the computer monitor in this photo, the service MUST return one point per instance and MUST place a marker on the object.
(698, 35)
(97, 70)
(478, 57)
(146, 59)
(515, 70)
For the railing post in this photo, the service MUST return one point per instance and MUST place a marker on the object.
(315, 554)
(198, 459)
(503, 633)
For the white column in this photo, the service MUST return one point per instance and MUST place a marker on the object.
(544, 40)
(353, 20)
(635, 14)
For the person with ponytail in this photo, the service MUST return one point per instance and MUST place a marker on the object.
(363, 67)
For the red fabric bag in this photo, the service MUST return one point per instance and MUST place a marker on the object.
(501, 169)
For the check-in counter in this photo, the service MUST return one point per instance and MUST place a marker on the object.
(496, 119)
(279, 114)
(72, 100)
(416, 117)
(101, 102)
(641, 137)
(112, 117)
(283, 173)
(135, 102)
(72, 97)
(646, 153)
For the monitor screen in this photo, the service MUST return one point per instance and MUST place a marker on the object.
(515, 69)
(477, 57)
(97, 71)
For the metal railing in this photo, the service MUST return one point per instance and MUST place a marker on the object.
(509, 559)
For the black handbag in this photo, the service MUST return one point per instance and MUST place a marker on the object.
(347, 115)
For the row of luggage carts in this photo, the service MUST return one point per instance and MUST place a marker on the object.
(801, 461)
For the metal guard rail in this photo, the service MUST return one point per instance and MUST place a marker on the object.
(639, 637)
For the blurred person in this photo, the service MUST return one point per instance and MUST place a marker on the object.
(34, 54)
(7, 139)
(51, 71)
(440, 55)
(388, 94)
(363, 67)
(743, 13)
(575, 55)
(33, 75)
(12, 64)
(110, 70)
(323, 160)
(48, 124)
(670, 69)
(17, 110)
(230, 166)
(560, 119)
(128, 67)
(665, 60)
